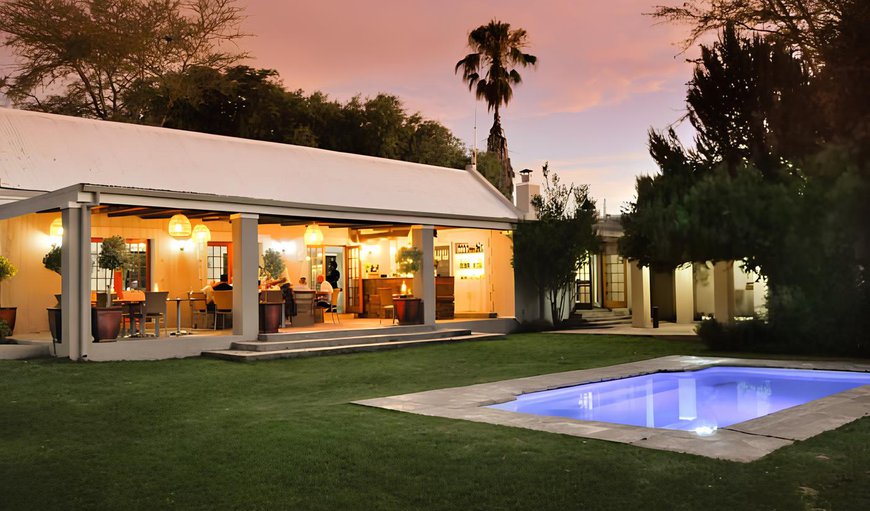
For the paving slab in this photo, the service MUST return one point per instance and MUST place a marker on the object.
(744, 442)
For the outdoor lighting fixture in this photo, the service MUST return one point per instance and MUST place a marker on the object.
(313, 235)
(55, 231)
(201, 234)
(179, 227)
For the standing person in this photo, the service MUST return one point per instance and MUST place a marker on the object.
(303, 283)
(332, 274)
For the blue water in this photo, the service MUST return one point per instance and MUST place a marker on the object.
(698, 401)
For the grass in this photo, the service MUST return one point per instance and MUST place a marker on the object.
(206, 434)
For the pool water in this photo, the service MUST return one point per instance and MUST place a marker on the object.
(699, 401)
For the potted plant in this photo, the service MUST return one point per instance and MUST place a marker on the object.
(52, 261)
(408, 260)
(270, 313)
(7, 314)
(106, 320)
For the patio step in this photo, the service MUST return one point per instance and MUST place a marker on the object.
(369, 337)
(294, 335)
(241, 355)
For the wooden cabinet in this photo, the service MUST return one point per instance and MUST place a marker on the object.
(444, 298)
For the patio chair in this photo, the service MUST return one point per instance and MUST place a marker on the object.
(385, 296)
(223, 307)
(198, 309)
(333, 305)
(155, 309)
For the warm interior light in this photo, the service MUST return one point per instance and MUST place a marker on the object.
(313, 235)
(404, 288)
(56, 228)
(179, 227)
(201, 234)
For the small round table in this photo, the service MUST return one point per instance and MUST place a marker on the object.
(178, 330)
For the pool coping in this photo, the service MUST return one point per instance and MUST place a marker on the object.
(742, 442)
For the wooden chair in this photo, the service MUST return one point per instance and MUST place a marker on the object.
(198, 308)
(155, 309)
(223, 307)
(334, 306)
(385, 295)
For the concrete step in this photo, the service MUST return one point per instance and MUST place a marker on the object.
(367, 337)
(351, 332)
(603, 323)
(250, 356)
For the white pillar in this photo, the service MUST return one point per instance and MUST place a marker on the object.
(641, 313)
(723, 291)
(424, 280)
(245, 271)
(76, 281)
(684, 293)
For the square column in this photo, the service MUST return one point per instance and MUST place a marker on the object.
(76, 282)
(424, 280)
(245, 271)
(684, 293)
(723, 291)
(641, 311)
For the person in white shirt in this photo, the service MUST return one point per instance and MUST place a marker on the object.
(324, 299)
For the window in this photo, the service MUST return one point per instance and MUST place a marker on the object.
(136, 277)
(219, 260)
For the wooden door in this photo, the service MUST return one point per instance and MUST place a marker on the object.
(353, 279)
(613, 267)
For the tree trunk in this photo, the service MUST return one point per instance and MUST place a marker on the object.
(497, 144)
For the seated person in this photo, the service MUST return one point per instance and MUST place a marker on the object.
(303, 284)
(209, 290)
(324, 298)
(289, 300)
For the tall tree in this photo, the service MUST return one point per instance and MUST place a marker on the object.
(491, 72)
(89, 53)
(547, 251)
(805, 25)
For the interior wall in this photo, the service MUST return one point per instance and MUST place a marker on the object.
(703, 278)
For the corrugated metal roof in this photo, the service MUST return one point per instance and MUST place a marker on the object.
(47, 152)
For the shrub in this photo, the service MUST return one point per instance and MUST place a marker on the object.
(751, 335)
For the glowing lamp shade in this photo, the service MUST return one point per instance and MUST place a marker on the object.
(201, 234)
(313, 235)
(56, 228)
(179, 227)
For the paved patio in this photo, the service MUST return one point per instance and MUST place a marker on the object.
(743, 442)
(664, 330)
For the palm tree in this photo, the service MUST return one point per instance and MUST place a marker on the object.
(497, 52)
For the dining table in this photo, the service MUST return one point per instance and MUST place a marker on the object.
(134, 311)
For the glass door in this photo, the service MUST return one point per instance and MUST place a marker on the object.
(584, 283)
(353, 295)
(614, 282)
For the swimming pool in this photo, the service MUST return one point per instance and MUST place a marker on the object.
(700, 401)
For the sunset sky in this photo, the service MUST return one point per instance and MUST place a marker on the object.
(606, 73)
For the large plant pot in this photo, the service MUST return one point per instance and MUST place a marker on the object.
(7, 314)
(270, 317)
(106, 323)
(409, 311)
(55, 324)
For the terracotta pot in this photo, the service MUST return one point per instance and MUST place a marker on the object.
(106, 323)
(270, 317)
(55, 324)
(7, 314)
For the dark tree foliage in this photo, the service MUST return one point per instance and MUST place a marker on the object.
(547, 251)
(252, 103)
(773, 180)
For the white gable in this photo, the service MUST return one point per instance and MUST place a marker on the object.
(47, 152)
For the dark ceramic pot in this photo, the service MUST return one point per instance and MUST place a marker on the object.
(55, 324)
(106, 323)
(7, 314)
(270, 317)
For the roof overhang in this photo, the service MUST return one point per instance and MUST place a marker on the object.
(95, 194)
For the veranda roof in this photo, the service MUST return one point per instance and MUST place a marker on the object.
(46, 152)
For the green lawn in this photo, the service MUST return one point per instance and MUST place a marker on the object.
(207, 434)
